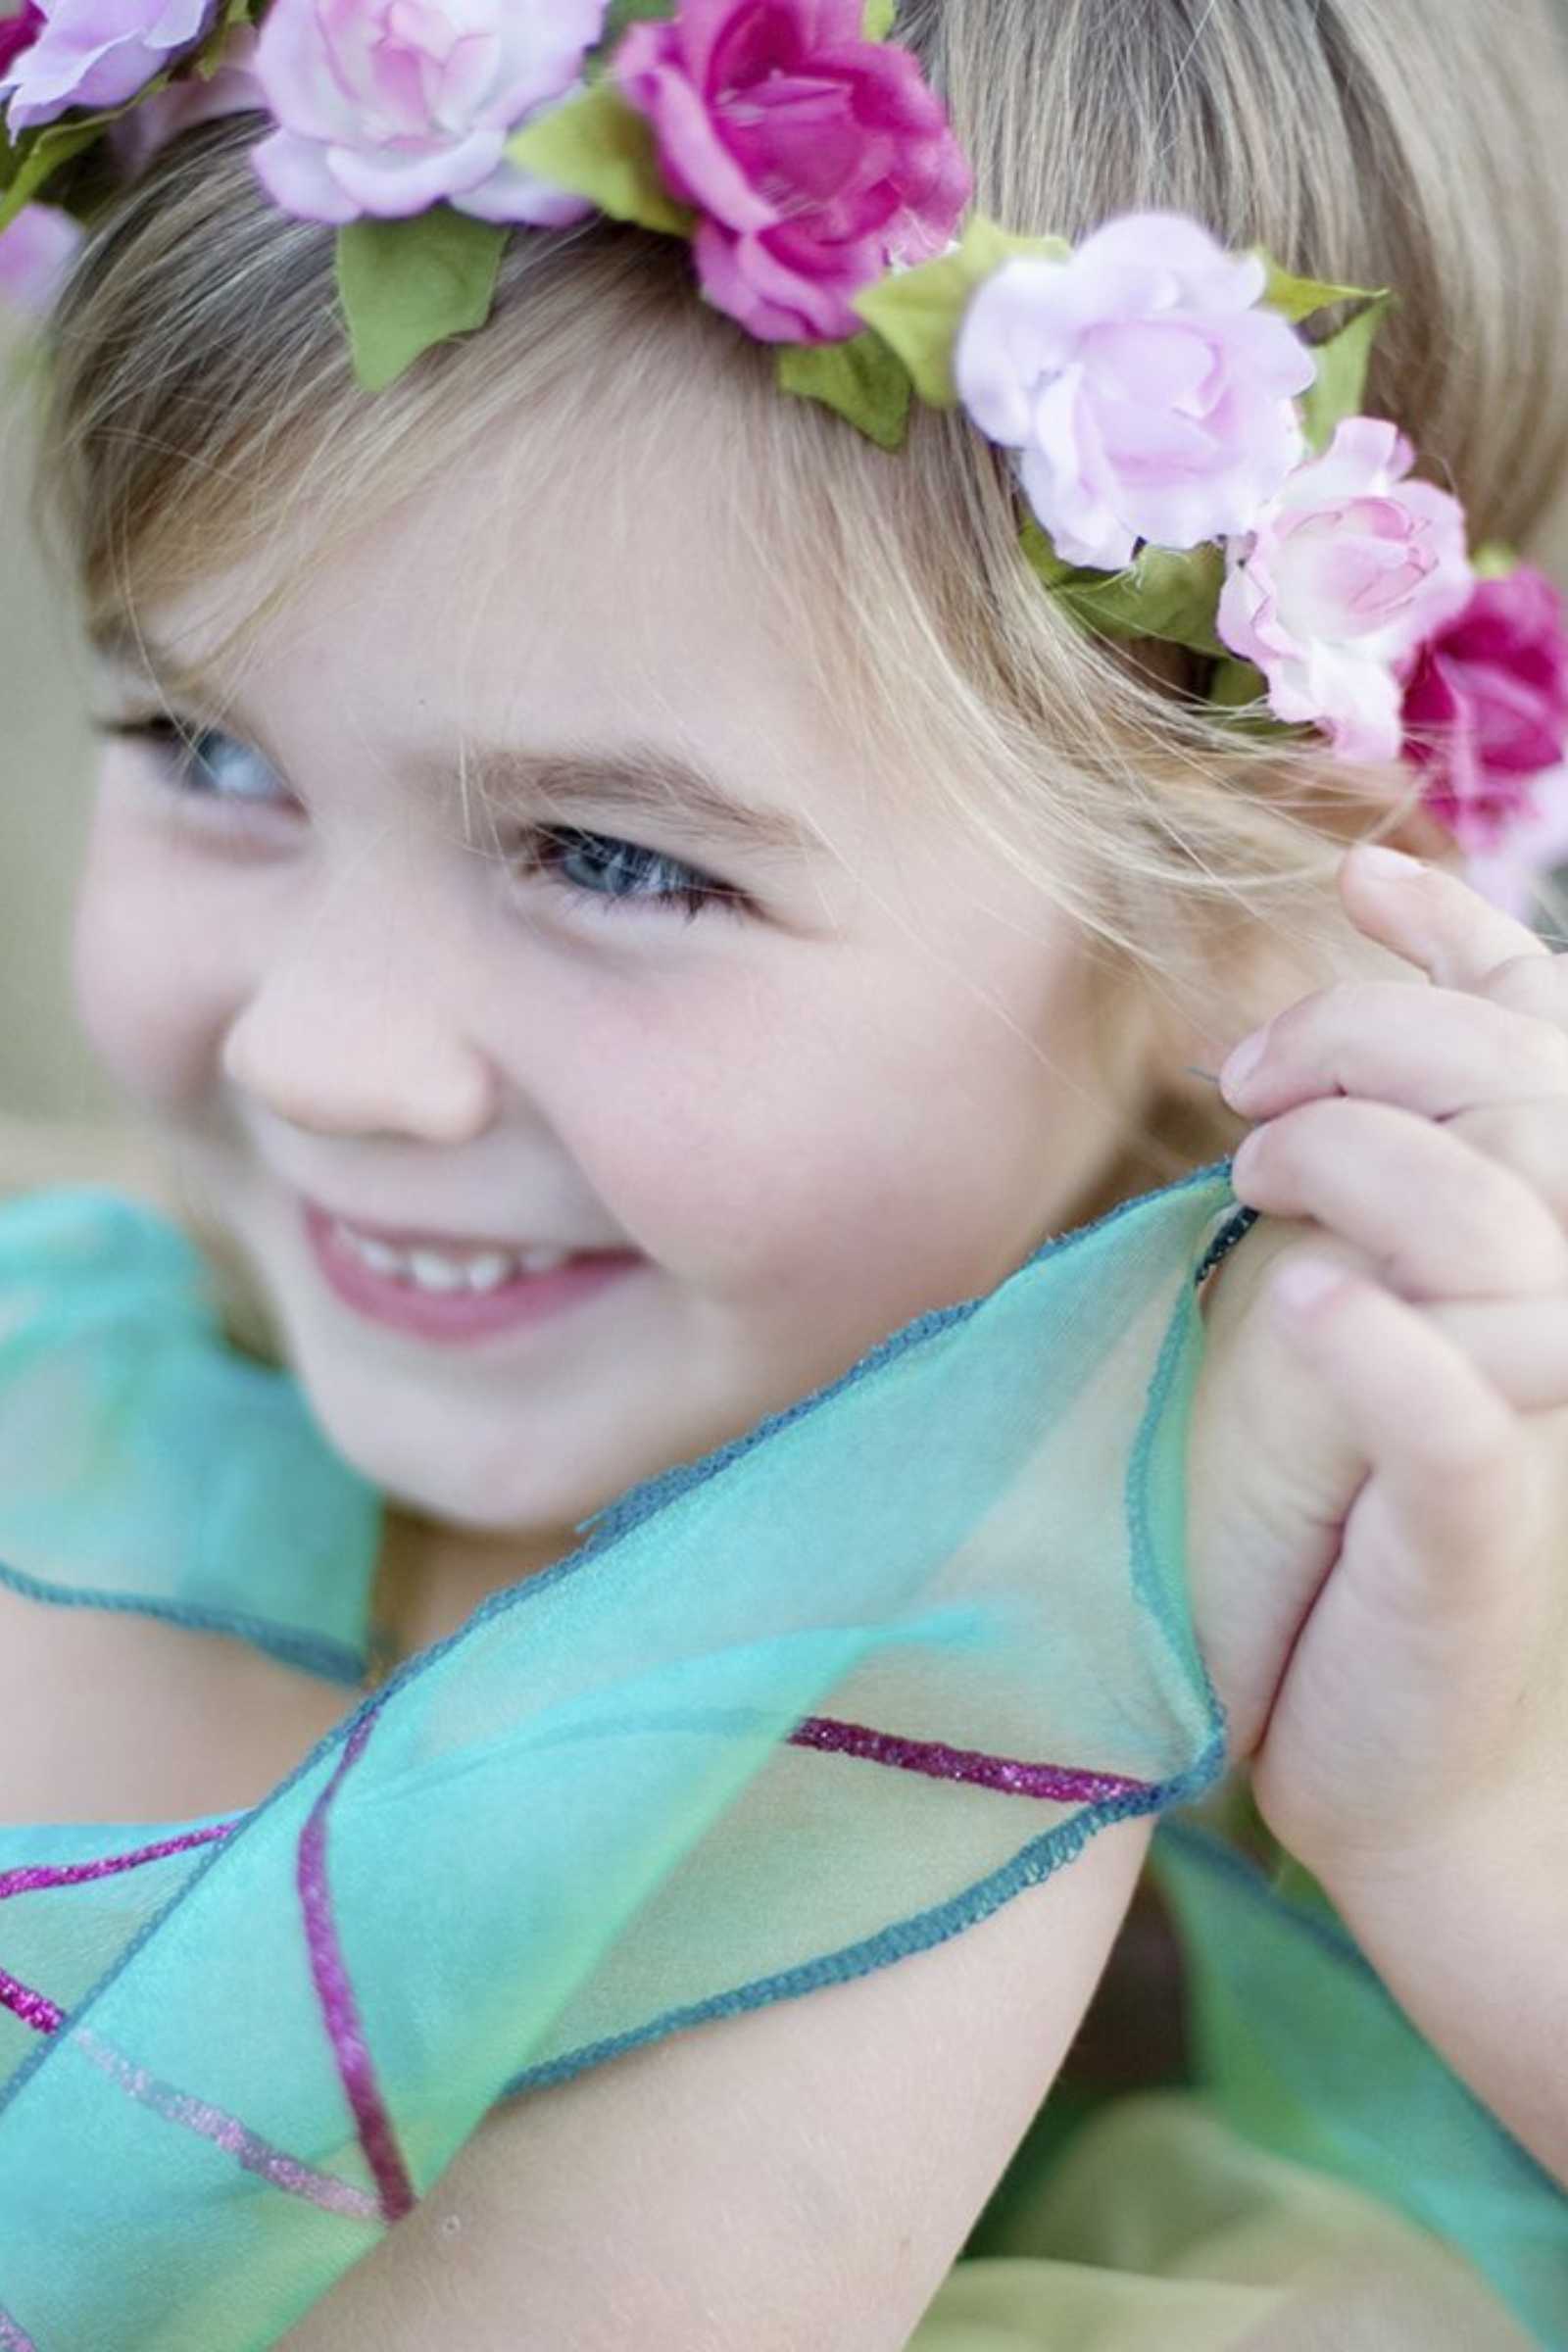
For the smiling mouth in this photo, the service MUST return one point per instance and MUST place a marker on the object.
(443, 1291)
(445, 1269)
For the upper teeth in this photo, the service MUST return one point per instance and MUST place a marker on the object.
(430, 1269)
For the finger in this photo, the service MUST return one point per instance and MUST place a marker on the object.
(1435, 1218)
(1531, 1139)
(1437, 1055)
(1519, 1346)
(1445, 1448)
(1430, 917)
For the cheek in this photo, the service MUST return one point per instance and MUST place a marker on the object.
(144, 991)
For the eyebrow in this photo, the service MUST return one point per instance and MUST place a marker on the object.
(646, 780)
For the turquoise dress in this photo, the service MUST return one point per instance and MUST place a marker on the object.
(938, 1640)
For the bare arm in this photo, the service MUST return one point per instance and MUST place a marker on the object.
(793, 2179)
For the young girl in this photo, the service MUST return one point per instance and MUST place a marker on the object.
(617, 892)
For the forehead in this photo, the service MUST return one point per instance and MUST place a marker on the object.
(561, 581)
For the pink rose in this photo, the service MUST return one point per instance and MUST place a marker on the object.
(388, 106)
(814, 157)
(1150, 397)
(1343, 577)
(1485, 707)
(1509, 868)
(96, 54)
(180, 104)
(36, 251)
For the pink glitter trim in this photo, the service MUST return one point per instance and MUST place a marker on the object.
(339, 2009)
(11, 2338)
(35, 2009)
(1056, 1784)
(256, 2154)
(77, 1874)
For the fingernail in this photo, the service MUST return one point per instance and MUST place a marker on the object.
(1243, 1063)
(1392, 866)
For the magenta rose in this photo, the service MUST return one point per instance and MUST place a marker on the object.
(814, 157)
(387, 106)
(1343, 577)
(19, 32)
(96, 54)
(1485, 707)
(1149, 395)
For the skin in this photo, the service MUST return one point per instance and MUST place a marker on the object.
(345, 992)
(1414, 1328)
(326, 977)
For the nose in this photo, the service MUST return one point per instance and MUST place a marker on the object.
(353, 1026)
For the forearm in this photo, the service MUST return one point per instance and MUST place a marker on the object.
(801, 2176)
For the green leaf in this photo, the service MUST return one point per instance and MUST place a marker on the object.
(26, 168)
(598, 147)
(876, 25)
(918, 312)
(406, 284)
(863, 379)
(1298, 297)
(1236, 685)
(1166, 594)
(623, 13)
(1340, 386)
(1493, 560)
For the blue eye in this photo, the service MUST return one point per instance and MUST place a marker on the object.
(207, 763)
(602, 866)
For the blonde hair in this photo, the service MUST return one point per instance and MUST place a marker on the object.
(202, 390)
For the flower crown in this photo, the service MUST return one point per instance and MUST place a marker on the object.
(1194, 471)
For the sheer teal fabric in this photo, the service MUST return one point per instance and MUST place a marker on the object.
(582, 1822)
(819, 1701)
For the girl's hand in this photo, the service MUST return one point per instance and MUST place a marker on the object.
(1380, 1466)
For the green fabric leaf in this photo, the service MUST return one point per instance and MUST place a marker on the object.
(406, 284)
(918, 312)
(1165, 594)
(1236, 685)
(598, 147)
(863, 379)
(26, 168)
(1341, 383)
(1298, 297)
(877, 22)
(622, 14)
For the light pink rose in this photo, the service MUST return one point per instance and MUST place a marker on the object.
(36, 251)
(96, 54)
(814, 157)
(1150, 397)
(388, 107)
(180, 104)
(1341, 580)
(1485, 707)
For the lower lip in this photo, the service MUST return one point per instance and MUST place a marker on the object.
(456, 1318)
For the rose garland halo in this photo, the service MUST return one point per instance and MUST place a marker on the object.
(1193, 469)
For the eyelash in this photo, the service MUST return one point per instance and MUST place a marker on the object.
(179, 752)
(651, 878)
(647, 877)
